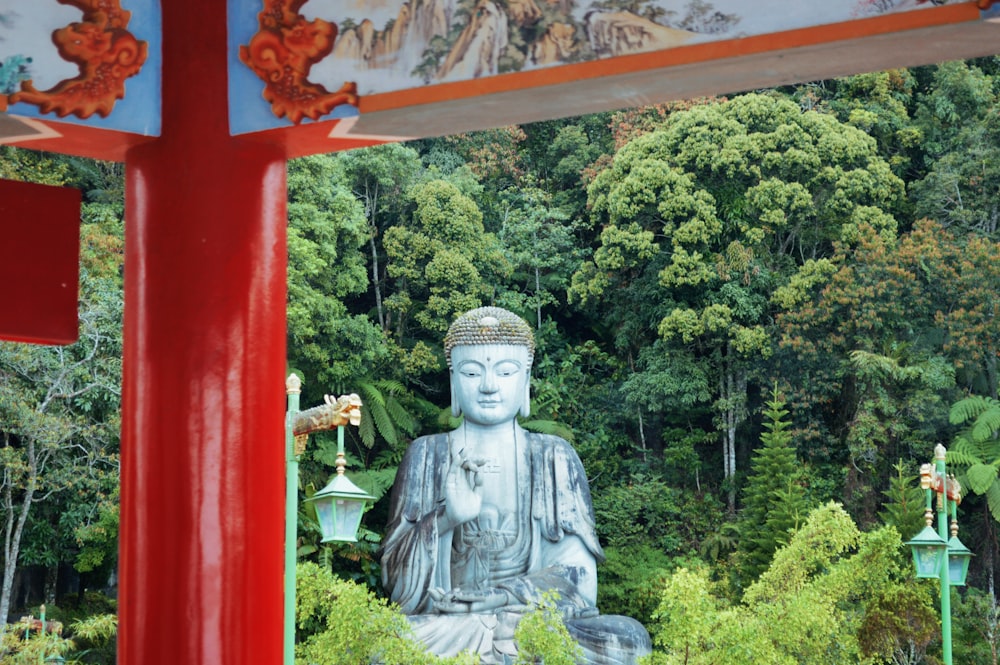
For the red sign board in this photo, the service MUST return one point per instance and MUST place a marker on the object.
(39, 262)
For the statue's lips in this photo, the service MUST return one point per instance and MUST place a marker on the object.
(489, 405)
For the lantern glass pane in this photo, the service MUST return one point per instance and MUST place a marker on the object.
(324, 513)
(928, 560)
(958, 569)
(348, 519)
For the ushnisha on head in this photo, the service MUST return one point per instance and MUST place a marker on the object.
(498, 339)
(489, 325)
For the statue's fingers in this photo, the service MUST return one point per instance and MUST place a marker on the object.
(491, 597)
(450, 607)
(472, 475)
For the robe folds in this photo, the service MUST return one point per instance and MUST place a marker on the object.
(550, 545)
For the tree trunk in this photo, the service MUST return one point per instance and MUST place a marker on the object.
(730, 453)
(732, 392)
(538, 289)
(375, 281)
(991, 373)
(12, 535)
(642, 434)
(371, 203)
(51, 580)
(727, 433)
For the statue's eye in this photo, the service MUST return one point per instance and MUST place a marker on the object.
(507, 369)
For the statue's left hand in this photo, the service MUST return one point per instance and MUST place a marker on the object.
(462, 601)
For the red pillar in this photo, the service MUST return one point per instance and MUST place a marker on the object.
(204, 363)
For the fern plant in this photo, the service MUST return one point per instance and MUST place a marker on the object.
(383, 413)
(977, 447)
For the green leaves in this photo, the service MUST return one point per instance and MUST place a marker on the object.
(807, 608)
(326, 267)
(542, 637)
(443, 258)
(980, 477)
(727, 200)
(343, 623)
(977, 447)
(774, 499)
(383, 412)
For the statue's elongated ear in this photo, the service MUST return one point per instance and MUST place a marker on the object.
(526, 404)
(456, 409)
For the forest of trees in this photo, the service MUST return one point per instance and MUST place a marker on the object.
(756, 316)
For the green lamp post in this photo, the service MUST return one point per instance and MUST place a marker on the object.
(933, 556)
(339, 505)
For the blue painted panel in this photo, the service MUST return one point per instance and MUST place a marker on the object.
(27, 51)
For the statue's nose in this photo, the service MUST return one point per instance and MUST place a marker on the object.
(489, 383)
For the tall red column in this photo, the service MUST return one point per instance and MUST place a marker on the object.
(204, 362)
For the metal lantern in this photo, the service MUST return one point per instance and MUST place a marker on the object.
(339, 506)
(928, 552)
(958, 561)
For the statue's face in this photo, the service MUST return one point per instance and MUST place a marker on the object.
(490, 381)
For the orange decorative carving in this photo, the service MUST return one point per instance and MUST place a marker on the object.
(282, 53)
(106, 53)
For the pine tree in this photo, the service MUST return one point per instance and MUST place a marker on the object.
(904, 506)
(774, 501)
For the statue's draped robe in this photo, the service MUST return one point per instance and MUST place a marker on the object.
(550, 544)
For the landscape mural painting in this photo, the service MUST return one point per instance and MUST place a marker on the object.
(392, 45)
(294, 61)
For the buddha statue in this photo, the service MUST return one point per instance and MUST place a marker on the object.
(486, 518)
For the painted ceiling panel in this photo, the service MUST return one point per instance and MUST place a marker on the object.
(392, 69)
(84, 76)
(85, 62)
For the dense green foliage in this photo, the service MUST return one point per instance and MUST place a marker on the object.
(829, 596)
(745, 308)
(342, 623)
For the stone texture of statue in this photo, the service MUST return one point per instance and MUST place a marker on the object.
(488, 517)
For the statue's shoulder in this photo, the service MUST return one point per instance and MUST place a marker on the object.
(550, 443)
(430, 441)
(424, 450)
(547, 441)
(420, 474)
(554, 450)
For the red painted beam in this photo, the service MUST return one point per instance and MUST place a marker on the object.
(204, 363)
(39, 262)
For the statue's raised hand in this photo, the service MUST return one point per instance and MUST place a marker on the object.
(462, 499)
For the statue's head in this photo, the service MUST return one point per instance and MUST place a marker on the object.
(489, 352)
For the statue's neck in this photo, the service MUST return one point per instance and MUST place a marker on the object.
(488, 437)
